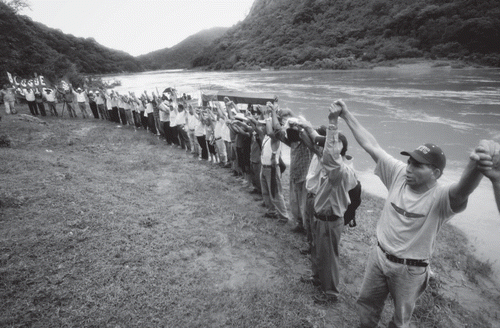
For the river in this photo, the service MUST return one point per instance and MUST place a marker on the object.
(403, 107)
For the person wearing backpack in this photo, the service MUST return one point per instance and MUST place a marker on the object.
(330, 178)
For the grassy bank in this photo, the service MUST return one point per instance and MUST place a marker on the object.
(104, 226)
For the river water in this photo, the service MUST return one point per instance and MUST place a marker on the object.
(403, 107)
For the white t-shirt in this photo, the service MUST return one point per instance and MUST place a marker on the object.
(410, 221)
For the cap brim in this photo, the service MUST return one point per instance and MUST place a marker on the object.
(415, 156)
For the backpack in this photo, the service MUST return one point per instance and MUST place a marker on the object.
(350, 213)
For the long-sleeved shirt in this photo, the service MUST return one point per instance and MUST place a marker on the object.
(332, 197)
(300, 157)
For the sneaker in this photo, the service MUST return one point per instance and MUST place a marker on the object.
(325, 299)
(283, 220)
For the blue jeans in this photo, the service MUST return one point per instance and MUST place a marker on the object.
(405, 283)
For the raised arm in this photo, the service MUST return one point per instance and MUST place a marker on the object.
(364, 138)
(460, 191)
(487, 156)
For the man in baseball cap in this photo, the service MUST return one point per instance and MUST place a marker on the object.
(428, 154)
(416, 207)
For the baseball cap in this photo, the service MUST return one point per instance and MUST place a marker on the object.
(428, 154)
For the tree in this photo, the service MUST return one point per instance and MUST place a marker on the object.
(17, 5)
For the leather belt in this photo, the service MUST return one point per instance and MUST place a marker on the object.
(268, 166)
(412, 262)
(324, 217)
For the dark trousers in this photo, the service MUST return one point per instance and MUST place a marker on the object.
(166, 132)
(93, 108)
(123, 116)
(152, 123)
(175, 135)
(115, 116)
(69, 107)
(41, 108)
(33, 108)
(52, 107)
(102, 111)
(144, 121)
(137, 119)
(203, 145)
(183, 138)
(211, 148)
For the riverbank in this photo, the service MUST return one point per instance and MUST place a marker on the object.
(102, 225)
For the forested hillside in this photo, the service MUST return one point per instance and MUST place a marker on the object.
(181, 55)
(28, 47)
(341, 34)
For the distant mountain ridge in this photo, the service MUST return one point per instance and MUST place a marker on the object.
(182, 54)
(337, 34)
(28, 47)
(283, 34)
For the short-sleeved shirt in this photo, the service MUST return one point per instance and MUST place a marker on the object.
(410, 221)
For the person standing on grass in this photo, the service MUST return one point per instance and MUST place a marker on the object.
(180, 123)
(67, 101)
(333, 175)
(300, 158)
(270, 174)
(487, 154)
(39, 102)
(50, 97)
(93, 104)
(80, 99)
(121, 109)
(100, 103)
(29, 94)
(219, 125)
(9, 99)
(415, 209)
(258, 134)
(149, 113)
(200, 133)
(192, 124)
(109, 105)
(164, 115)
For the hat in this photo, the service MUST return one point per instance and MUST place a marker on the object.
(428, 154)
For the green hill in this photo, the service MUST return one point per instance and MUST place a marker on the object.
(181, 55)
(28, 47)
(336, 34)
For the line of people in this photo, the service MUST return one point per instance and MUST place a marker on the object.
(250, 141)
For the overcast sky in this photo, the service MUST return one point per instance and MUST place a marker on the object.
(137, 26)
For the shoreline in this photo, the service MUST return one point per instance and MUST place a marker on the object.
(396, 64)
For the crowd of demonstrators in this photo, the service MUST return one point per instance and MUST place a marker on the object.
(249, 142)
